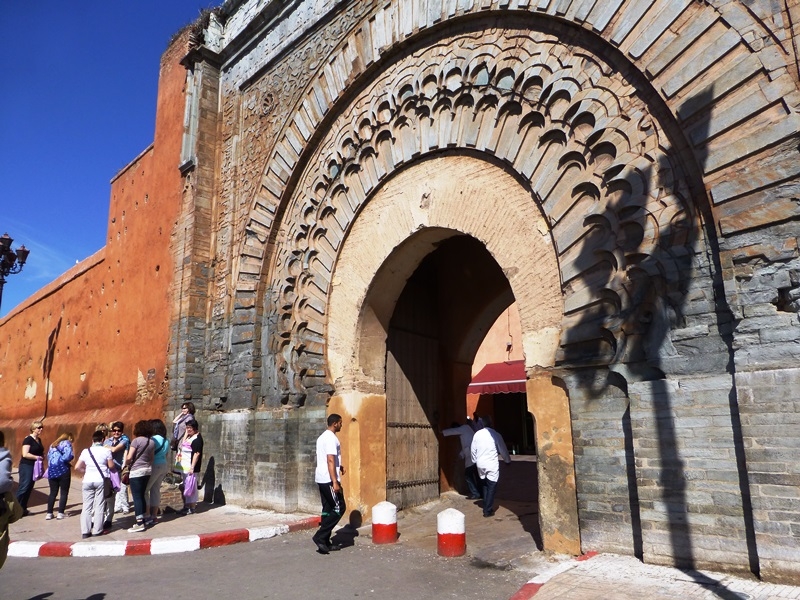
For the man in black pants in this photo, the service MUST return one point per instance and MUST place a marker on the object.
(327, 475)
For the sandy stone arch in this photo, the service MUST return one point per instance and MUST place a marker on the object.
(404, 220)
(428, 202)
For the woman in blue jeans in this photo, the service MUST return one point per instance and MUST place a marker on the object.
(32, 450)
(140, 458)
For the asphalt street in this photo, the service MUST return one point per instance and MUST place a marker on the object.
(282, 567)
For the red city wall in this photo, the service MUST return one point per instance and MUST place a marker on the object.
(92, 346)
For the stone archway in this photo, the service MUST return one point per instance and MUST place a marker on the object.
(405, 220)
(625, 119)
(608, 192)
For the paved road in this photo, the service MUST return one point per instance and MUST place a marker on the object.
(283, 567)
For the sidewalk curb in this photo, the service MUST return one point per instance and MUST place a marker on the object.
(168, 545)
(530, 589)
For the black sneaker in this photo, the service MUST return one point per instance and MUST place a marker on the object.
(322, 548)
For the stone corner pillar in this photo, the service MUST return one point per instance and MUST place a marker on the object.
(363, 439)
(558, 500)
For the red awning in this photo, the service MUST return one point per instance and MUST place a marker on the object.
(499, 378)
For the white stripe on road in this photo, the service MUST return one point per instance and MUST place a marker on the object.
(553, 571)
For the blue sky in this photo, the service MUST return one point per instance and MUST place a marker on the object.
(78, 104)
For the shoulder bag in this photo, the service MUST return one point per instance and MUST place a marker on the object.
(108, 487)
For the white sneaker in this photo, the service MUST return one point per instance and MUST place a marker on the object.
(138, 528)
(60, 516)
(48, 516)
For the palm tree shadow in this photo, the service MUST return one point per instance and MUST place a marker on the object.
(640, 265)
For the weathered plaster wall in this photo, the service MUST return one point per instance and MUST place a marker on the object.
(92, 346)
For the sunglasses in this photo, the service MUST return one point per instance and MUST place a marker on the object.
(117, 430)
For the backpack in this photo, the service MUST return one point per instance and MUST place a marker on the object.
(54, 458)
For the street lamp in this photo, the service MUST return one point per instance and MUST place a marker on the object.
(11, 262)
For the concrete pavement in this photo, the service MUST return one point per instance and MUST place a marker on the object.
(506, 541)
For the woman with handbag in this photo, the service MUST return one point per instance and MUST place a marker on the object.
(32, 452)
(179, 423)
(187, 461)
(140, 459)
(119, 444)
(59, 473)
(97, 463)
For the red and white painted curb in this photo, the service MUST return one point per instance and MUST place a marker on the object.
(168, 545)
(530, 589)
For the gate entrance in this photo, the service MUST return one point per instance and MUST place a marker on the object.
(455, 289)
(430, 262)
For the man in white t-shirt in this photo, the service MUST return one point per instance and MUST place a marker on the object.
(486, 445)
(327, 476)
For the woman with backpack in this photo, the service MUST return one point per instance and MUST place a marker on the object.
(59, 473)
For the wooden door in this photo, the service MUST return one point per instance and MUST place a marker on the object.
(412, 392)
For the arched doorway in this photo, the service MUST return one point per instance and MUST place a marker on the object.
(455, 289)
(438, 252)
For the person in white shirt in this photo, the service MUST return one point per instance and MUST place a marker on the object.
(465, 433)
(97, 463)
(327, 476)
(486, 445)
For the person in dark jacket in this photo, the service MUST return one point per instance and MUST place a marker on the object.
(32, 450)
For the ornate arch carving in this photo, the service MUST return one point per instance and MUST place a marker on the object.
(571, 127)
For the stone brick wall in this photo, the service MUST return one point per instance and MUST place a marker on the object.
(770, 416)
(263, 458)
(604, 464)
(688, 479)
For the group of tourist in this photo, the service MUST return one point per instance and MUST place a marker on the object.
(137, 465)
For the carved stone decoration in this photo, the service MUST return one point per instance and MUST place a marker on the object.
(268, 102)
(263, 115)
(598, 163)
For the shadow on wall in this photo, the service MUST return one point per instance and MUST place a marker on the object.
(212, 493)
(641, 273)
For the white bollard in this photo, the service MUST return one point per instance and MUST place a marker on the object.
(384, 523)
(451, 533)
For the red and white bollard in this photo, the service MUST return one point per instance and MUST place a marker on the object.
(451, 533)
(384, 523)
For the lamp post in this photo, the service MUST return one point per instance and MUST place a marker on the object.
(11, 262)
